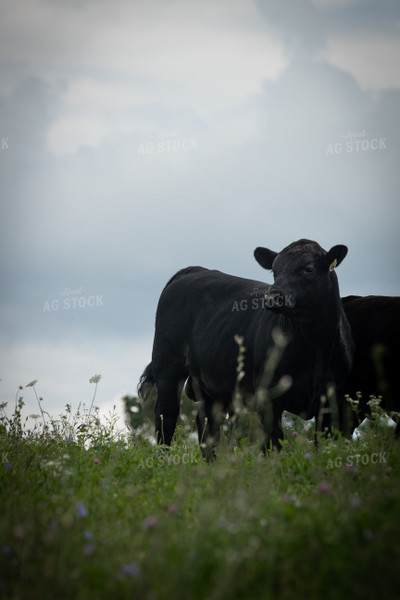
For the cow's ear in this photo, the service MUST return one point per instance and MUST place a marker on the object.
(265, 257)
(335, 256)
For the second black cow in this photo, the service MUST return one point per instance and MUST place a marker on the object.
(200, 312)
(375, 328)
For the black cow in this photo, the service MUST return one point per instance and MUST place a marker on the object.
(201, 311)
(375, 327)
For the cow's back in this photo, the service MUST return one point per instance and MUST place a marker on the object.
(196, 296)
(196, 292)
(200, 312)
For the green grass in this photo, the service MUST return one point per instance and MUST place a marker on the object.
(87, 513)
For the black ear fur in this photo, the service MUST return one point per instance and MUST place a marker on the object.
(265, 257)
(335, 256)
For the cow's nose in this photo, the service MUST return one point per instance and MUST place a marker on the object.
(275, 298)
(278, 299)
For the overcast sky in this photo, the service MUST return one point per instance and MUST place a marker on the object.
(141, 137)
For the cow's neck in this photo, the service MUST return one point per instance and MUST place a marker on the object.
(319, 329)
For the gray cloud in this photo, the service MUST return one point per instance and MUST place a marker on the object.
(299, 22)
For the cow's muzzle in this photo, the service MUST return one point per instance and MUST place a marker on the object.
(278, 301)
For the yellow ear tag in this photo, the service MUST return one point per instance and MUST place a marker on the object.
(333, 265)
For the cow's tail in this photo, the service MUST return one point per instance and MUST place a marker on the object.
(146, 382)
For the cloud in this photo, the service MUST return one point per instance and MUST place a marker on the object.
(370, 59)
(357, 37)
(110, 63)
(297, 22)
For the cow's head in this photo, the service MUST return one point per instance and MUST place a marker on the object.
(304, 276)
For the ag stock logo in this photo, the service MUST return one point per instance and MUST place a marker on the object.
(356, 141)
(72, 299)
(166, 142)
(357, 459)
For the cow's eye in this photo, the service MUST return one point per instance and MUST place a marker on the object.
(308, 269)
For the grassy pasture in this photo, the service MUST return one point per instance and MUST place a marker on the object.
(88, 512)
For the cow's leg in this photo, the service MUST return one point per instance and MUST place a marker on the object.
(330, 415)
(347, 417)
(271, 419)
(169, 389)
(209, 420)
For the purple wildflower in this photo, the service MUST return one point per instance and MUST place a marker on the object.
(149, 523)
(350, 469)
(81, 510)
(172, 509)
(324, 487)
(131, 569)
(89, 549)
